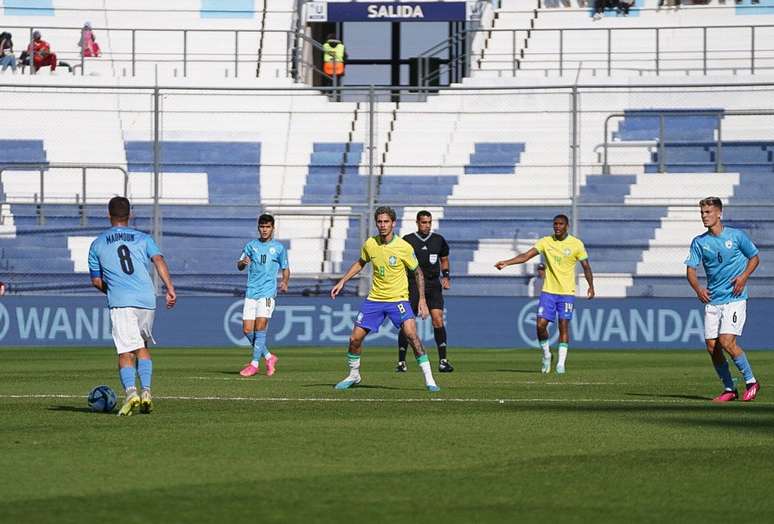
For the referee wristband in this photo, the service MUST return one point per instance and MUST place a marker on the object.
(445, 273)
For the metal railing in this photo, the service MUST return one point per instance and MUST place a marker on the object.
(178, 49)
(564, 59)
(39, 198)
(660, 141)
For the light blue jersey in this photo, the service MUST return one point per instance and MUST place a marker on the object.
(121, 257)
(266, 258)
(724, 257)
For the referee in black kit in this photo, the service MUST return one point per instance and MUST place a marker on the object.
(432, 252)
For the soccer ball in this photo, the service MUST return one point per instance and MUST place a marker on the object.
(102, 399)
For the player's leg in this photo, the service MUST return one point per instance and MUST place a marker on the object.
(353, 358)
(144, 361)
(720, 363)
(128, 340)
(249, 314)
(564, 309)
(402, 340)
(265, 308)
(715, 350)
(732, 320)
(409, 327)
(546, 313)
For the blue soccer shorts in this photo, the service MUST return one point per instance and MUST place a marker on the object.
(373, 313)
(550, 306)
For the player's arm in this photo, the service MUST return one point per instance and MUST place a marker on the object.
(422, 306)
(693, 280)
(445, 275)
(283, 285)
(163, 271)
(589, 277)
(100, 284)
(741, 280)
(353, 270)
(518, 259)
(243, 262)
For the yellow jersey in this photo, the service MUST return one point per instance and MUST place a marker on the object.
(390, 261)
(560, 257)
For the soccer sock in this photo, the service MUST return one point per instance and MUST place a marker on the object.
(354, 364)
(440, 341)
(546, 347)
(259, 346)
(256, 361)
(562, 354)
(127, 379)
(402, 346)
(744, 368)
(145, 370)
(725, 375)
(424, 365)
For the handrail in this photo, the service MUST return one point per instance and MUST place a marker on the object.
(42, 167)
(515, 60)
(660, 142)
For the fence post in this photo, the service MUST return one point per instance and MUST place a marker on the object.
(236, 54)
(363, 282)
(719, 149)
(752, 50)
(156, 173)
(185, 53)
(561, 52)
(658, 46)
(83, 195)
(704, 49)
(609, 50)
(134, 52)
(574, 149)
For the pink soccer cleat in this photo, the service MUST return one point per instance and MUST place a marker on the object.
(726, 396)
(752, 391)
(249, 371)
(271, 363)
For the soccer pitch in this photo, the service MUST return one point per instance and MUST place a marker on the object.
(623, 436)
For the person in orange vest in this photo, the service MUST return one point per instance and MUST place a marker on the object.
(333, 57)
(41, 53)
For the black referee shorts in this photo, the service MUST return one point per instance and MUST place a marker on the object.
(433, 294)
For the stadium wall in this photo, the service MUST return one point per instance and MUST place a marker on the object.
(497, 322)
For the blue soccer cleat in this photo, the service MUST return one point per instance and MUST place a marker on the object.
(348, 383)
(432, 388)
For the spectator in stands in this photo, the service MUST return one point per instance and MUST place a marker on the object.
(2, 288)
(599, 8)
(41, 53)
(7, 58)
(535, 285)
(88, 42)
(676, 3)
(624, 6)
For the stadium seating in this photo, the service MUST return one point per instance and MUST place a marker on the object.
(492, 165)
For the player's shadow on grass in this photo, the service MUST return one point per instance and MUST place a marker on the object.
(359, 386)
(681, 397)
(530, 371)
(232, 372)
(75, 409)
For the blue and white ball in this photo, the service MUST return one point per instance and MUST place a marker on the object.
(102, 399)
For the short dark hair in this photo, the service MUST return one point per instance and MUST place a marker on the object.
(119, 207)
(562, 217)
(385, 210)
(265, 219)
(711, 201)
(424, 213)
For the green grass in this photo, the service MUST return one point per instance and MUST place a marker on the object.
(623, 436)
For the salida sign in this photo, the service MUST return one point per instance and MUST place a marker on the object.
(388, 12)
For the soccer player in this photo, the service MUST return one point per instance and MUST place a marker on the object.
(432, 252)
(263, 257)
(561, 251)
(729, 258)
(119, 265)
(390, 257)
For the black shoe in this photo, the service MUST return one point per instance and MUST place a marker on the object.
(444, 366)
(401, 367)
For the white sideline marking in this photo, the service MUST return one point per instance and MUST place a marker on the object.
(400, 400)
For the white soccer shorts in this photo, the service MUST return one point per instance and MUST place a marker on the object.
(258, 308)
(724, 319)
(132, 328)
